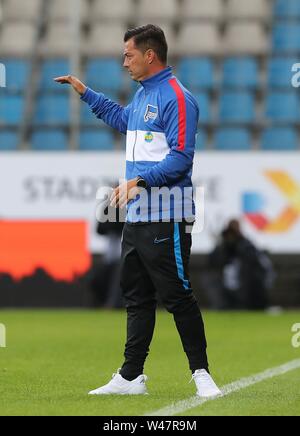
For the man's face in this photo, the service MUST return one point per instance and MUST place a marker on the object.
(136, 62)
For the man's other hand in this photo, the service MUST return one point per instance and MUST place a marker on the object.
(124, 193)
(77, 85)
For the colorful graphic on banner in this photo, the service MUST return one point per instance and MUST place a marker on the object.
(254, 205)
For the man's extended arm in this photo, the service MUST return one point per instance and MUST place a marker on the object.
(110, 112)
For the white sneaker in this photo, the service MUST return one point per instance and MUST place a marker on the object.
(119, 386)
(206, 387)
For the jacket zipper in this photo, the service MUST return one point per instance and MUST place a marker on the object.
(135, 141)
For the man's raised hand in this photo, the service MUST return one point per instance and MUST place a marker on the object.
(77, 85)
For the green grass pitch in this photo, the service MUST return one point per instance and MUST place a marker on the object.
(53, 358)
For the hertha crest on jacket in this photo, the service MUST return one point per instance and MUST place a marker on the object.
(151, 113)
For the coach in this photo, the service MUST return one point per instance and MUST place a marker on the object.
(161, 126)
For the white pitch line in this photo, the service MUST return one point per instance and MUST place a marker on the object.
(192, 402)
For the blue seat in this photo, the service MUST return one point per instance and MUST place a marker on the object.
(201, 140)
(233, 139)
(52, 109)
(8, 141)
(287, 9)
(104, 75)
(196, 73)
(240, 73)
(11, 109)
(49, 140)
(17, 75)
(283, 107)
(96, 140)
(237, 107)
(286, 38)
(203, 101)
(280, 72)
(87, 116)
(51, 69)
(277, 138)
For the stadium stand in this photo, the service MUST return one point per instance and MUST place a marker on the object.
(246, 38)
(235, 55)
(201, 140)
(197, 73)
(279, 72)
(202, 10)
(195, 39)
(248, 10)
(61, 11)
(279, 139)
(166, 10)
(105, 74)
(96, 140)
(27, 11)
(233, 139)
(237, 108)
(204, 103)
(287, 9)
(47, 140)
(240, 73)
(283, 107)
(8, 141)
(107, 10)
(11, 110)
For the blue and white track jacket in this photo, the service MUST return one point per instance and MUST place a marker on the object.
(161, 127)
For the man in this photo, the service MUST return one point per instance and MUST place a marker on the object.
(245, 273)
(161, 125)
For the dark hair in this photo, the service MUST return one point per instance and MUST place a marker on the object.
(149, 37)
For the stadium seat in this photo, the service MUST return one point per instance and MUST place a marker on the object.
(17, 74)
(240, 73)
(8, 141)
(202, 9)
(233, 140)
(249, 10)
(201, 140)
(11, 110)
(16, 10)
(280, 72)
(52, 109)
(51, 69)
(238, 107)
(196, 73)
(286, 38)
(198, 39)
(17, 39)
(246, 39)
(105, 40)
(283, 107)
(287, 9)
(96, 139)
(113, 10)
(280, 139)
(105, 74)
(156, 9)
(58, 42)
(62, 10)
(204, 104)
(49, 140)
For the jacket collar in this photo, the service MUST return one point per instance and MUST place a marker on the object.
(158, 78)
